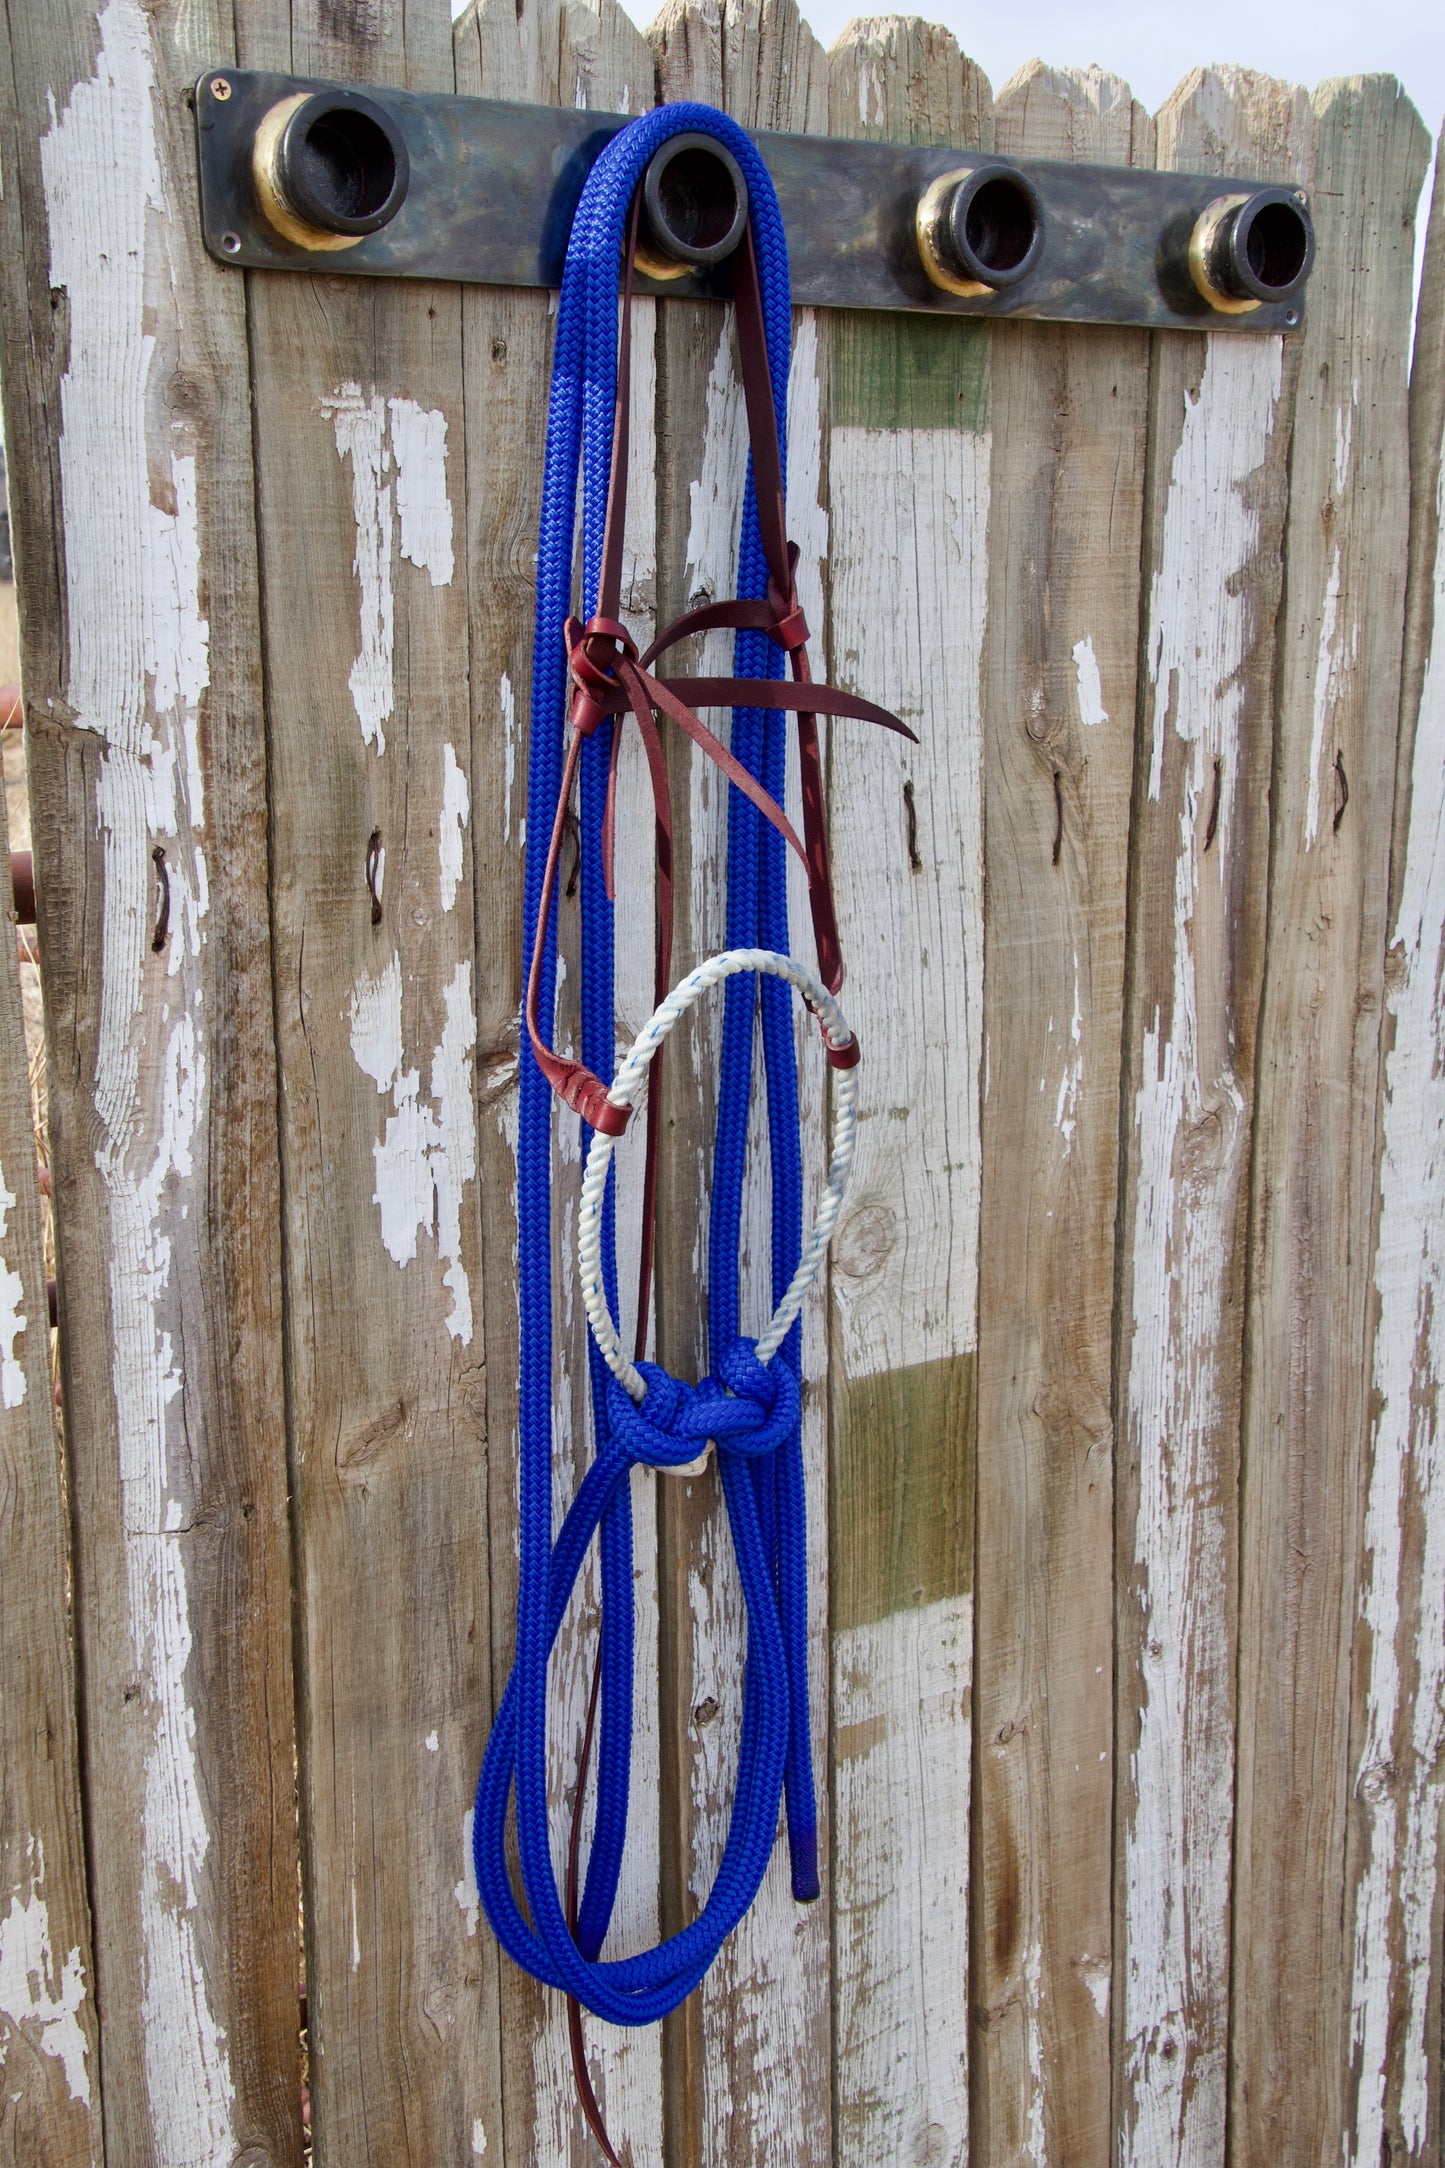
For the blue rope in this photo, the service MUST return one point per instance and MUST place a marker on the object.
(751, 1410)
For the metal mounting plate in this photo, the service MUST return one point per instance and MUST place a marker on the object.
(494, 186)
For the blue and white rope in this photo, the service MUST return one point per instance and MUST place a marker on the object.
(750, 1407)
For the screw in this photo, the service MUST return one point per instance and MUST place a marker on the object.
(231, 243)
(220, 88)
(1300, 196)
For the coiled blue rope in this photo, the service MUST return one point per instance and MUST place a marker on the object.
(756, 1422)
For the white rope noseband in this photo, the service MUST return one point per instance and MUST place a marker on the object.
(624, 1092)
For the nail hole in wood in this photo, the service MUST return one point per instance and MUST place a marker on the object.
(911, 809)
(1212, 828)
(375, 873)
(163, 900)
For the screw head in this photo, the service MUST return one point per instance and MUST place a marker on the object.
(231, 243)
(220, 88)
(1300, 196)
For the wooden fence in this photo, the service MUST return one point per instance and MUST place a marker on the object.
(1122, 1414)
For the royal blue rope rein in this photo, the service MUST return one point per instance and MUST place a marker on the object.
(751, 1410)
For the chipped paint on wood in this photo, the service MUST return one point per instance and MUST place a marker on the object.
(398, 475)
(427, 1155)
(39, 1996)
(12, 1317)
(901, 1745)
(423, 508)
(1191, 1129)
(1090, 685)
(1397, 1781)
(456, 812)
(138, 665)
(909, 593)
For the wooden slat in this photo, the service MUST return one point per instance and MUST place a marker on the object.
(750, 2064)
(129, 435)
(1069, 413)
(908, 462)
(49, 2076)
(361, 462)
(1219, 422)
(1392, 2083)
(551, 54)
(1313, 1176)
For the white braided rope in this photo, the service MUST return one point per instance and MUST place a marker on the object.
(629, 1082)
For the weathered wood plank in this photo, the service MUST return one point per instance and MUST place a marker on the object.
(1392, 2083)
(1219, 422)
(750, 2064)
(360, 464)
(568, 54)
(49, 2077)
(908, 464)
(1313, 1175)
(1069, 413)
(128, 427)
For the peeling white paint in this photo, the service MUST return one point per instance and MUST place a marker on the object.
(901, 1746)
(509, 740)
(355, 1933)
(1190, 1120)
(360, 424)
(138, 666)
(1066, 1111)
(479, 2138)
(1035, 2144)
(432, 1743)
(423, 508)
(428, 1152)
(397, 474)
(41, 1999)
(466, 1893)
(910, 587)
(1195, 654)
(1397, 1783)
(12, 1317)
(1091, 687)
(456, 813)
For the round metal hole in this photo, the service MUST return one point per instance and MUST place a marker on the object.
(1000, 229)
(343, 165)
(1274, 240)
(1246, 250)
(231, 243)
(980, 229)
(695, 205)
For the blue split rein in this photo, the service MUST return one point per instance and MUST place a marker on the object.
(750, 1408)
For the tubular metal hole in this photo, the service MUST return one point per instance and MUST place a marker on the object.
(696, 203)
(1000, 225)
(1277, 246)
(344, 163)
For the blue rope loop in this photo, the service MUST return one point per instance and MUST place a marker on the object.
(750, 1409)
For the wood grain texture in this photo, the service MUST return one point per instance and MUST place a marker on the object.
(1313, 1174)
(749, 2075)
(128, 429)
(1392, 2079)
(49, 2074)
(595, 57)
(908, 463)
(1069, 413)
(361, 480)
(1219, 432)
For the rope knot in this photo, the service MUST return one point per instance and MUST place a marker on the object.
(594, 651)
(752, 1408)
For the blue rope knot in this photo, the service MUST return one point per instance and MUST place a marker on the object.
(751, 1407)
